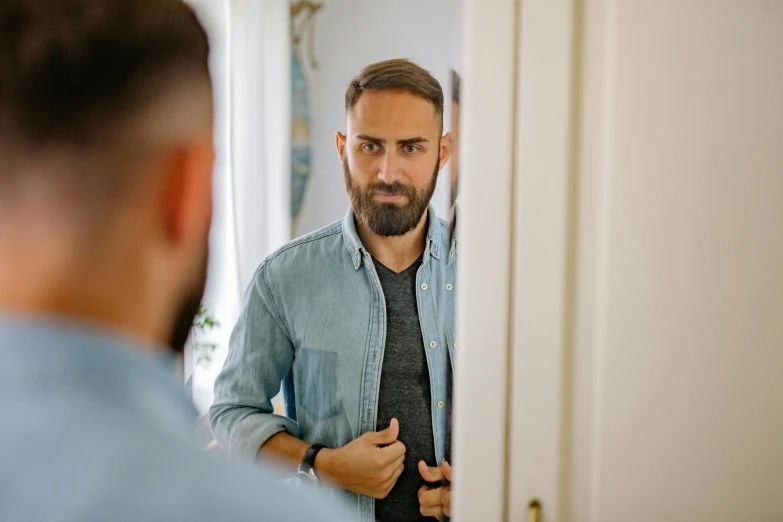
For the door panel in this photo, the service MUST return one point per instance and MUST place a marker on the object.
(657, 266)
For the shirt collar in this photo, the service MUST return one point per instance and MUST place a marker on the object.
(354, 245)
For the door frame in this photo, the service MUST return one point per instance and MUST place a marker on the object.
(487, 138)
(519, 151)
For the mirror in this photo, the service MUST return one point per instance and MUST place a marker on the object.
(351, 316)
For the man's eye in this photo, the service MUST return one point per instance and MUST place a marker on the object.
(411, 149)
(370, 147)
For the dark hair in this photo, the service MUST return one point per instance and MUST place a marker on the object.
(396, 75)
(75, 73)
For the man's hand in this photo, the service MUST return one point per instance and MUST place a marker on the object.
(435, 502)
(369, 465)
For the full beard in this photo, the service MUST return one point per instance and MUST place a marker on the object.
(388, 219)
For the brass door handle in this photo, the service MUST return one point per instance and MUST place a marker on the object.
(534, 511)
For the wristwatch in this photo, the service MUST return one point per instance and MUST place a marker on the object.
(306, 468)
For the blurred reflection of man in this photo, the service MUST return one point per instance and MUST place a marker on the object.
(454, 163)
(357, 318)
(105, 205)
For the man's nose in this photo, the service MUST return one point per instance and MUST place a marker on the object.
(389, 170)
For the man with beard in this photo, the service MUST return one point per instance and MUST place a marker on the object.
(357, 320)
(105, 206)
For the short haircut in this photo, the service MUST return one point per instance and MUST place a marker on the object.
(76, 75)
(396, 75)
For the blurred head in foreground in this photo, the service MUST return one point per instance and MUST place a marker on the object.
(105, 207)
(105, 163)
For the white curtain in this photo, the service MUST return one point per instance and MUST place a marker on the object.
(251, 71)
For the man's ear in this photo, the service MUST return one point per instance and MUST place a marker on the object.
(339, 144)
(446, 146)
(187, 195)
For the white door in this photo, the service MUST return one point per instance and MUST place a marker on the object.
(645, 319)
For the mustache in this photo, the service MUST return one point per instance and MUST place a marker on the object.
(390, 189)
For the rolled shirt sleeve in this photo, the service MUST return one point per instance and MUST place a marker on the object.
(260, 355)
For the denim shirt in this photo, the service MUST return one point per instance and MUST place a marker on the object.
(314, 318)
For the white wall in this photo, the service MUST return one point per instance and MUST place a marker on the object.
(251, 70)
(350, 34)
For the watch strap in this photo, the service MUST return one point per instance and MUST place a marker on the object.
(308, 462)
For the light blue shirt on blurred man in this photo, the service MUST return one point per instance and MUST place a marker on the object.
(94, 428)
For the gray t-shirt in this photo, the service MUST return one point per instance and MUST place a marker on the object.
(405, 392)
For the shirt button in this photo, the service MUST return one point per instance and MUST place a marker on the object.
(449, 287)
(423, 286)
(433, 344)
(441, 404)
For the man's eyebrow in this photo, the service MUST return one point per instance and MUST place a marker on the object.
(381, 141)
(413, 141)
(371, 139)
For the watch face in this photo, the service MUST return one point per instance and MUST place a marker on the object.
(308, 475)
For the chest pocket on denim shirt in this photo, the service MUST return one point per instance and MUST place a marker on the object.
(316, 386)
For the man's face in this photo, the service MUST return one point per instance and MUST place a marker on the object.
(391, 155)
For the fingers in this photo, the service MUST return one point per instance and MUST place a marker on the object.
(395, 465)
(435, 502)
(398, 462)
(395, 476)
(446, 501)
(396, 470)
(430, 502)
(399, 467)
(387, 436)
(432, 512)
(394, 451)
(430, 474)
(446, 469)
(430, 497)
